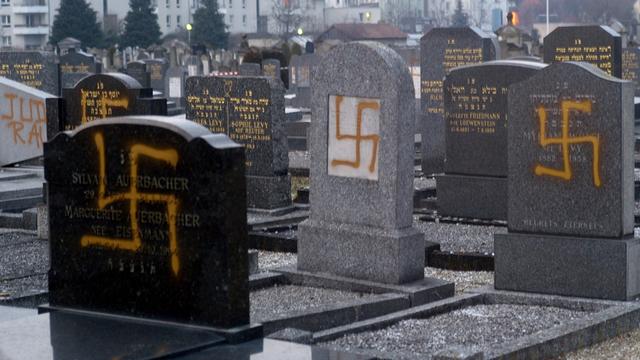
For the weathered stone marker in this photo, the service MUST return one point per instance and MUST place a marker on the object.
(362, 168)
(301, 67)
(32, 68)
(75, 65)
(157, 68)
(631, 67)
(251, 111)
(597, 45)
(475, 110)
(271, 67)
(570, 186)
(109, 95)
(146, 219)
(27, 116)
(249, 69)
(138, 70)
(443, 49)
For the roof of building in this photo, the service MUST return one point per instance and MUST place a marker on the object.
(354, 32)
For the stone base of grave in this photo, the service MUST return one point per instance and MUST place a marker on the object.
(271, 194)
(564, 265)
(477, 197)
(359, 252)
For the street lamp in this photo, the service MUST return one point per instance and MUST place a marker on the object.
(189, 27)
(300, 31)
(547, 17)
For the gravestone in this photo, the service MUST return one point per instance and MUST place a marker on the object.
(175, 78)
(443, 49)
(100, 96)
(194, 65)
(250, 110)
(475, 111)
(249, 69)
(571, 184)
(138, 71)
(360, 224)
(271, 67)
(157, 68)
(598, 45)
(631, 67)
(75, 65)
(302, 68)
(32, 68)
(146, 219)
(28, 117)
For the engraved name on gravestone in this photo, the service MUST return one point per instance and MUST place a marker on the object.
(32, 68)
(100, 96)
(28, 117)
(631, 67)
(597, 45)
(145, 217)
(475, 103)
(571, 153)
(362, 168)
(250, 110)
(75, 65)
(443, 49)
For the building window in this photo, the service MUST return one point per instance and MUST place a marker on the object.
(168, 21)
(178, 20)
(230, 4)
(178, 4)
(244, 4)
(168, 3)
(230, 19)
(5, 20)
(244, 20)
(6, 41)
(5, 2)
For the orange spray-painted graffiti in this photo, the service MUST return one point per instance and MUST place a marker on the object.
(26, 117)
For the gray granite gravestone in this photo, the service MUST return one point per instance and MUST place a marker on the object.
(631, 67)
(75, 65)
(100, 96)
(302, 67)
(570, 144)
(361, 172)
(32, 68)
(147, 219)
(28, 117)
(251, 111)
(595, 44)
(271, 67)
(249, 69)
(443, 49)
(475, 110)
(194, 65)
(157, 68)
(138, 70)
(174, 80)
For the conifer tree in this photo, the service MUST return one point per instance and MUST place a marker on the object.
(76, 19)
(209, 27)
(459, 17)
(141, 25)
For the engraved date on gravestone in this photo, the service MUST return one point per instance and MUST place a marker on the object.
(354, 137)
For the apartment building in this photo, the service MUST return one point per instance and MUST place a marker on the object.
(24, 24)
(488, 15)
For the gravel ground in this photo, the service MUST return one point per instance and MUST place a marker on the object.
(268, 260)
(482, 325)
(18, 288)
(459, 237)
(420, 183)
(623, 347)
(464, 280)
(271, 302)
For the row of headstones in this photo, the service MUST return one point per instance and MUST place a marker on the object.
(154, 207)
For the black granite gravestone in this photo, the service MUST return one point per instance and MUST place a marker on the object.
(157, 68)
(147, 218)
(251, 111)
(100, 96)
(570, 145)
(443, 49)
(28, 116)
(631, 67)
(598, 45)
(475, 111)
(32, 68)
(138, 70)
(249, 69)
(75, 65)
(271, 67)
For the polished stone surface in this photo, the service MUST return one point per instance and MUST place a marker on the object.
(71, 336)
(267, 349)
(37, 69)
(75, 65)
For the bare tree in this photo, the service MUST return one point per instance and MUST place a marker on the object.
(436, 12)
(288, 16)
